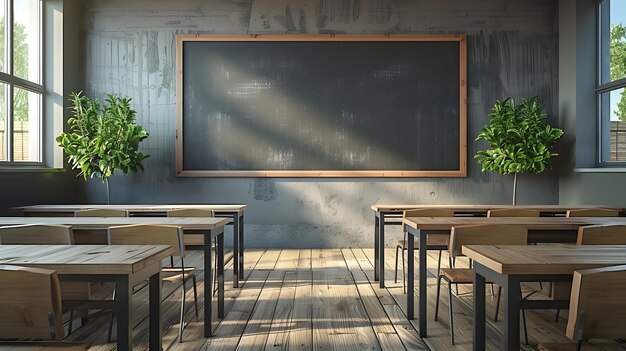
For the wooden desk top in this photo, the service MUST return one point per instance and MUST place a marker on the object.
(133, 208)
(556, 223)
(485, 208)
(200, 223)
(545, 259)
(85, 259)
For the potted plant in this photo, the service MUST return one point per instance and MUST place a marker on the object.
(103, 138)
(519, 138)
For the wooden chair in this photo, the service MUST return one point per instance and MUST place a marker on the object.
(593, 212)
(96, 236)
(602, 235)
(197, 239)
(597, 308)
(101, 212)
(437, 242)
(191, 238)
(513, 212)
(36, 234)
(159, 235)
(49, 234)
(30, 303)
(474, 235)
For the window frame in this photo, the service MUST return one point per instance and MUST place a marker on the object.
(11, 82)
(602, 88)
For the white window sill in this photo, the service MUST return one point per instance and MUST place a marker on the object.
(29, 169)
(601, 170)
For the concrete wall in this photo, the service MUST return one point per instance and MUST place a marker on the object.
(63, 20)
(130, 50)
(577, 111)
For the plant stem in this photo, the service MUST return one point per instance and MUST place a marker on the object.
(514, 189)
(106, 180)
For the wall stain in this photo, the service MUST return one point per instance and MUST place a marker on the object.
(152, 53)
(265, 190)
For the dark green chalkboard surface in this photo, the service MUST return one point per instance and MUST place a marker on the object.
(313, 105)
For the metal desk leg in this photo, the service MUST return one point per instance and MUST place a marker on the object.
(123, 305)
(381, 250)
(155, 312)
(241, 246)
(410, 279)
(376, 248)
(208, 271)
(236, 249)
(423, 273)
(220, 275)
(479, 312)
(512, 302)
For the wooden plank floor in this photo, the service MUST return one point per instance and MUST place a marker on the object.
(322, 299)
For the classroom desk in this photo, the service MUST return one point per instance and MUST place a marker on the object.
(235, 212)
(211, 227)
(541, 230)
(126, 265)
(510, 265)
(392, 215)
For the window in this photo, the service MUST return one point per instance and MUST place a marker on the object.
(611, 91)
(21, 88)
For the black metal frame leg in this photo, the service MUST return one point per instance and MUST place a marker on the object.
(512, 304)
(423, 273)
(155, 312)
(241, 246)
(381, 250)
(235, 219)
(410, 280)
(220, 275)
(208, 270)
(479, 311)
(376, 245)
(123, 305)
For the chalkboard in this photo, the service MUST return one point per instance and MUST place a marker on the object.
(328, 106)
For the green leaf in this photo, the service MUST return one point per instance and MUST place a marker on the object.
(103, 138)
(519, 138)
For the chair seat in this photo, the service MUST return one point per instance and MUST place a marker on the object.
(433, 240)
(174, 275)
(458, 275)
(567, 347)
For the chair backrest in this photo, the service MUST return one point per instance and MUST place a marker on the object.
(597, 304)
(428, 212)
(593, 212)
(101, 212)
(36, 234)
(30, 303)
(140, 234)
(602, 235)
(190, 212)
(486, 235)
(513, 212)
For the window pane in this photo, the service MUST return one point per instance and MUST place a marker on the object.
(26, 125)
(3, 123)
(2, 36)
(613, 109)
(613, 40)
(26, 40)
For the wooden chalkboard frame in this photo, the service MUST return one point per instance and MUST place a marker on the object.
(460, 172)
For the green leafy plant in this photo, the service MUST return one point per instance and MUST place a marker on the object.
(519, 138)
(103, 138)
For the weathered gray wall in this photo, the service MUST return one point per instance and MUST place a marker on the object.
(577, 105)
(130, 50)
